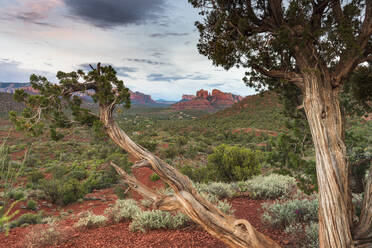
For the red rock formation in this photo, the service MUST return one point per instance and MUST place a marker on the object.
(140, 98)
(187, 97)
(204, 101)
(200, 104)
(202, 94)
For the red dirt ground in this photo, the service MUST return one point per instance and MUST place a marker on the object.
(118, 235)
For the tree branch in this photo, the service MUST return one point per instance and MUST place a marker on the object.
(289, 76)
(185, 198)
(350, 58)
(141, 164)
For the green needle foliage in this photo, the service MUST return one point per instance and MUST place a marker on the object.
(49, 108)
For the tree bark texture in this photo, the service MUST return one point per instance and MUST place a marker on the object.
(233, 232)
(327, 129)
(363, 230)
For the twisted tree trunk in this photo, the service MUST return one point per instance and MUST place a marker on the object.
(327, 129)
(233, 232)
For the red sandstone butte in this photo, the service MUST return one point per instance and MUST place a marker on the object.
(140, 98)
(205, 101)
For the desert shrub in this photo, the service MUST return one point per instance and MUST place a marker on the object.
(41, 236)
(123, 210)
(59, 171)
(90, 220)
(35, 176)
(171, 152)
(223, 205)
(285, 155)
(79, 174)
(16, 195)
(232, 163)
(101, 179)
(154, 177)
(146, 203)
(195, 174)
(149, 145)
(120, 159)
(51, 189)
(282, 214)
(31, 161)
(156, 219)
(312, 235)
(181, 141)
(269, 187)
(28, 218)
(120, 192)
(6, 216)
(62, 192)
(31, 204)
(219, 189)
(71, 191)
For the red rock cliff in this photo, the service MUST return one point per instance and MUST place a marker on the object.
(188, 97)
(140, 98)
(205, 101)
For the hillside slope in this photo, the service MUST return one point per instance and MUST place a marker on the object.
(256, 111)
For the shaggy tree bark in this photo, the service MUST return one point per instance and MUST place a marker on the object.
(326, 124)
(363, 230)
(234, 232)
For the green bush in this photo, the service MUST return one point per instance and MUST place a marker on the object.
(123, 210)
(90, 220)
(71, 191)
(156, 219)
(149, 145)
(63, 192)
(232, 163)
(195, 174)
(312, 235)
(120, 192)
(221, 190)
(59, 171)
(16, 195)
(35, 176)
(282, 214)
(269, 187)
(101, 179)
(154, 177)
(51, 189)
(29, 218)
(79, 174)
(31, 204)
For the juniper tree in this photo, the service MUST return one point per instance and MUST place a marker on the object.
(48, 110)
(314, 45)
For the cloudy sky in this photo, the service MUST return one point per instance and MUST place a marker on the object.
(151, 43)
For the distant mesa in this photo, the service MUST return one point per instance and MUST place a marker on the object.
(206, 101)
(137, 98)
(12, 87)
(141, 99)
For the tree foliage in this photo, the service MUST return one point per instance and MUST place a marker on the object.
(281, 41)
(59, 105)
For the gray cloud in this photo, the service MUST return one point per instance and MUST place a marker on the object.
(11, 71)
(163, 35)
(156, 77)
(120, 70)
(148, 61)
(28, 17)
(110, 13)
(216, 85)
